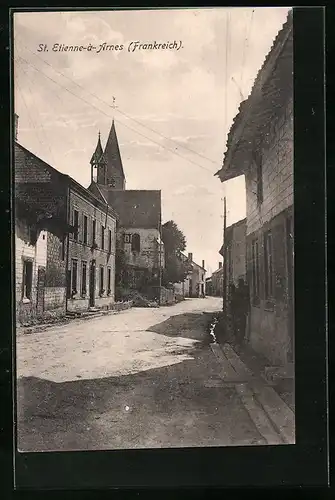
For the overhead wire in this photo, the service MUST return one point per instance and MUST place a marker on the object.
(120, 122)
(122, 112)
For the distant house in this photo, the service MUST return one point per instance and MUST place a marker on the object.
(260, 146)
(217, 281)
(139, 215)
(79, 245)
(236, 266)
(195, 282)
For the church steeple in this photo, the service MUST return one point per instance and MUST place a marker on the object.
(114, 169)
(98, 162)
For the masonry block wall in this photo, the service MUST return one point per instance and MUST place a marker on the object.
(82, 252)
(277, 161)
(27, 307)
(55, 277)
(148, 256)
(270, 331)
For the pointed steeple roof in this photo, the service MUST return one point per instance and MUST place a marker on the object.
(112, 151)
(98, 154)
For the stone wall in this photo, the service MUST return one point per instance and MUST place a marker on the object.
(277, 160)
(84, 252)
(55, 277)
(148, 256)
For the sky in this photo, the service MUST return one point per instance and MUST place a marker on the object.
(173, 110)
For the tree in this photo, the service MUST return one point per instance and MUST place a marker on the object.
(176, 268)
(174, 240)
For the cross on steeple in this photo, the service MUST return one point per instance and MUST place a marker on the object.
(114, 106)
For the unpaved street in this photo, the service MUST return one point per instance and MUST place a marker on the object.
(139, 378)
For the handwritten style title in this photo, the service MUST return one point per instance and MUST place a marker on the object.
(132, 46)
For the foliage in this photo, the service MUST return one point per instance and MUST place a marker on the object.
(122, 274)
(176, 268)
(174, 240)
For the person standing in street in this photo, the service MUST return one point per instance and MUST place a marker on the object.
(240, 312)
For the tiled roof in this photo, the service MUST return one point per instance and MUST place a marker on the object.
(272, 87)
(135, 208)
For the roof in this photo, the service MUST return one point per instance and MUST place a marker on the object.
(185, 258)
(41, 174)
(112, 151)
(98, 155)
(135, 208)
(272, 88)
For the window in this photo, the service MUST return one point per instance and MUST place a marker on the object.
(109, 241)
(94, 231)
(109, 280)
(268, 264)
(127, 238)
(83, 278)
(135, 243)
(76, 224)
(27, 279)
(85, 225)
(259, 181)
(102, 237)
(101, 280)
(74, 276)
(255, 269)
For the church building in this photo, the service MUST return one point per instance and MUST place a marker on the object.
(139, 245)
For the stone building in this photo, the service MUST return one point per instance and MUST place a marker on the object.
(41, 230)
(195, 283)
(217, 281)
(74, 241)
(91, 250)
(139, 216)
(260, 146)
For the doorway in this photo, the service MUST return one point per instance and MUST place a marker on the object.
(92, 283)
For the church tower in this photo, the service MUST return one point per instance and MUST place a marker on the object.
(98, 164)
(115, 177)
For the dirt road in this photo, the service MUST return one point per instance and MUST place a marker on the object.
(140, 378)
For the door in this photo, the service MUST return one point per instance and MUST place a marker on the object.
(92, 283)
(40, 290)
(290, 284)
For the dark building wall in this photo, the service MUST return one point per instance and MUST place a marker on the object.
(55, 277)
(82, 252)
(271, 324)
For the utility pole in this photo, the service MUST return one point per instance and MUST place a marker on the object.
(224, 265)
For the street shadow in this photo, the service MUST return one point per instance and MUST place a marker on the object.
(193, 326)
(170, 406)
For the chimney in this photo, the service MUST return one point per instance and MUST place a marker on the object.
(220, 265)
(203, 264)
(16, 126)
(190, 257)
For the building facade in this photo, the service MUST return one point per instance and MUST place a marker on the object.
(41, 231)
(217, 281)
(195, 282)
(139, 243)
(91, 250)
(67, 234)
(260, 146)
